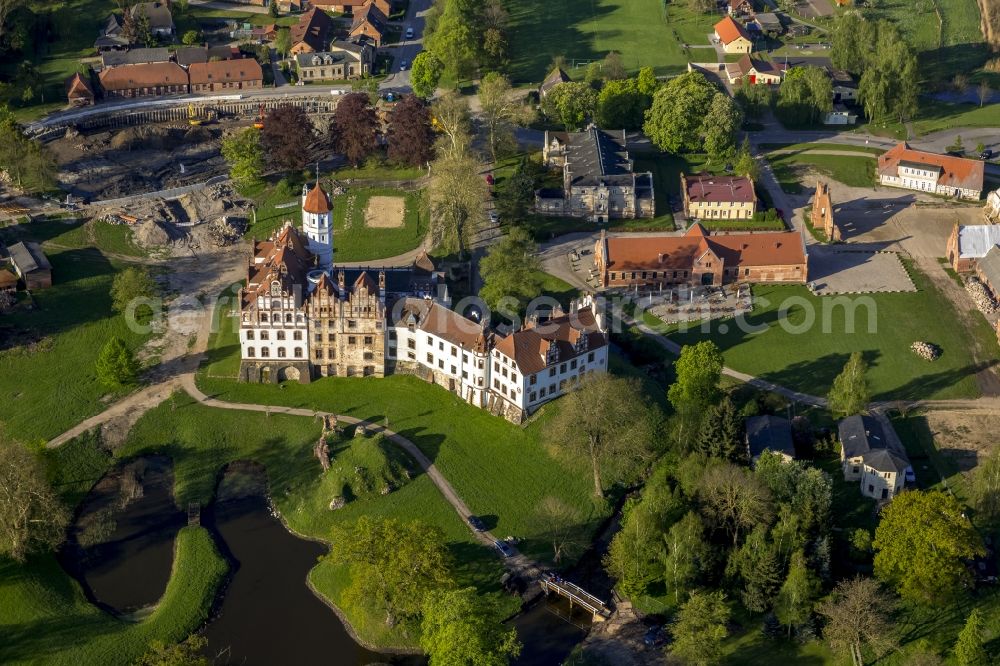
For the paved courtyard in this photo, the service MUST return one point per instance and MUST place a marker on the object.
(855, 269)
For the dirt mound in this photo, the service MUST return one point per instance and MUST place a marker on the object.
(151, 234)
(145, 137)
(197, 135)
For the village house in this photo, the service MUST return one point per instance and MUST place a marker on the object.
(370, 24)
(311, 33)
(78, 90)
(968, 243)
(700, 258)
(739, 8)
(352, 6)
(226, 75)
(872, 457)
(840, 115)
(754, 71)
(769, 433)
(901, 166)
(821, 216)
(992, 208)
(186, 56)
(845, 88)
(344, 60)
(139, 56)
(733, 36)
(767, 23)
(31, 265)
(708, 197)
(555, 77)
(598, 178)
(8, 281)
(111, 37)
(161, 21)
(155, 78)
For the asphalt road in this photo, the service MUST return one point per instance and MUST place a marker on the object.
(406, 50)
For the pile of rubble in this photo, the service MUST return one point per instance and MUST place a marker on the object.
(227, 230)
(981, 296)
(926, 350)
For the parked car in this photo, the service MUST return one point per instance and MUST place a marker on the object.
(403, 65)
(654, 636)
(986, 154)
(409, 33)
(494, 217)
(504, 549)
(476, 524)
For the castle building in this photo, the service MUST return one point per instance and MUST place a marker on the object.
(347, 326)
(317, 223)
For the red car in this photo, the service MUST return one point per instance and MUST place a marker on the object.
(489, 179)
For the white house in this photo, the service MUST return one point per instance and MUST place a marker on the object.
(840, 115)
(872, 457)
(949, 176)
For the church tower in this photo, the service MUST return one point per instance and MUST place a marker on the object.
(317, 223)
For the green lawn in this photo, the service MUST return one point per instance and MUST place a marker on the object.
(819, 145)
(643, 31)
(558, 289)
(376, 170)
(854, 171)
(51, 388)
(936, 116)
(45, 618)
(809, 361)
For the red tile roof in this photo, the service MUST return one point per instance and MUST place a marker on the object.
(145, 75)
(312, 28)
(729, 30)
(226, 71)
(719, 188)
(317, 201)
(529, 347)
(445, 323)
(955, 171)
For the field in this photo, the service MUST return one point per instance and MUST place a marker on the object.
(641, 30)
(45, 617)
(809, 361)
(854, 171)
(51, 388)
(936, 116)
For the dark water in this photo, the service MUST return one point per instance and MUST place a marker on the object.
(548, 632)
(130, 569)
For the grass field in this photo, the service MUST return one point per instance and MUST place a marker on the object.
(808, 362)
(854, 171)
(643, 31)
(936, 116)
(50, 389)
(45, 618)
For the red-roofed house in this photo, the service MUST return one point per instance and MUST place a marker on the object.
(734, 37)
(901, 166)
(152, 78)
(223, 75)
(311, 33)
(700, 258)
(708, 197)
(78, 90)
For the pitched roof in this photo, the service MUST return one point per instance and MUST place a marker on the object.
(771, 433)
(28, 257)
(863, 436)
(7, 279)
(188, 55)
(226, 71)
(371, 15)
(423, 261)
(146, 75)
(976, 240)
(954, 171)
(719, 188)
(595, 156)
(555, 77)
(431, 317)
(528, 347)
(317, 58)
(989, 267)
(729, 30)
(782, 248)
(312, 28)
(135, 56)
(77, 86)
(283, 258)
(317, 200)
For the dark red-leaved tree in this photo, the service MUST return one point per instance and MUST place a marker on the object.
(410, 136)
(355, 127)
(286, 137)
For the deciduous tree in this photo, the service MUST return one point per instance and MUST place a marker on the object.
(502, 109)
(634, 554)
(621, 104)
(132, 283)
(858, 616)
(457, 193)
(794, 603)
(983, 91)
(720, 126)
(735, 498)
(922, 544)
(986, 484)
(116, 366)
(186, 653)
(191, 37)
(511, 269)
(745, 164)
(29, 163)
(451, 112)
(515, 195)
(409, 135)
(699, 629)
(614, 67)
(559, 525)
(607, 420)
(850, 394)
(455, 40)
(425, 74)
(394, 565)
(283, 42)
(242, 149)
(674, 121)
(355, 128)
(286, 137)
(463, 627)
(686, 552)
(571, 104)
(32, 518)
(699, 369)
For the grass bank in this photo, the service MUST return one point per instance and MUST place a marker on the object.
(849, 170)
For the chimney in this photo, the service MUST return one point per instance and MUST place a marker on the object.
(340, 281)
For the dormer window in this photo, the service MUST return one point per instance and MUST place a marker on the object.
(276, 288)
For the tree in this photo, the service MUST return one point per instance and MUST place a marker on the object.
(699, 369)
(969, 650)
(242, 149)
(451, 113)
(699, 629)
(647, 83)
(495, 47)
(983, 92)
(461, 627)
(273, 10)
(455, 39)
(621, 104)
(515, 195)
(32, 518)
(283, 42)
(559, 525)
(185, 653)
(857, 616)
(116, 366)
(686, 552)
(735, 498)
(6, 8)
(457, 194)
(132, 283)
(960, 82)
(511, 270)
(922, 544)
(795, 599)
(501, 111)
(888, 86)
(191, 37)
(986, 484)
(409, 135)
(805, 95)
(721, 432)
(634, 554)
(286, 137)
(607, 420)
(425, 74)
(571, 103)
(28, 162)
(675, 119)
(746, 165)
(720, 126)
(758, 566)
(613, 67)
(355, 127)
(394, 565)
(849, 394)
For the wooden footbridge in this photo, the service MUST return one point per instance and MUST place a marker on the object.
(576, 595)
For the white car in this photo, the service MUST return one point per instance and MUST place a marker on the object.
(403, 65)
(409, 33)
(494, 216)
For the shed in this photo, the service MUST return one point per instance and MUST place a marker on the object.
(31, 265)
(769, 433)
(8, 281)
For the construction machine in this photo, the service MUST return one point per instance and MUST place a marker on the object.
(259, 123)
(193, 118)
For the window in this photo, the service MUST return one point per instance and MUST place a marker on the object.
(265, 352)
(296, 335)
(532, 397)
(352, 340)
(533, 380)
(249, 335)
(440, 345)
(298, 352)
(369, 340)
(496, 367)
(251, 352)
(281, 335)
(513, 376)
(430, 340)
(504, 372)
(411, 344)
(319, 337)
(453, 370)
(369, 356)
(856, 469)
(465, 358)
(441, 363)
(454, 351)
(871, 488)
(572, 364)
(590, 357)
(319, 354)
(411, 355)
(552, 372)
(331, 337)
(351, 323)
(281, 352)
(430, 358)
(465, 375)
(264, 335)
(562, 368)
(288, 317)
(496, 383)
